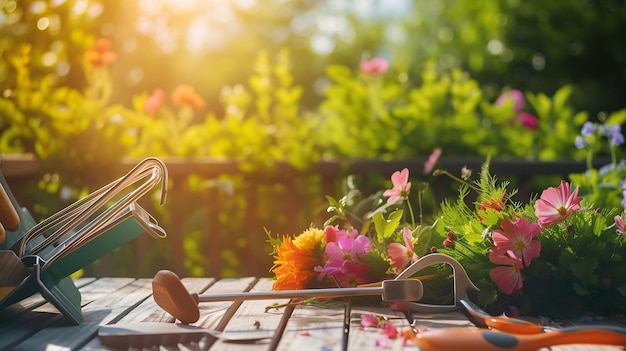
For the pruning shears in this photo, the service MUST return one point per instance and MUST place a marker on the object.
(504, 333)
(477, 339)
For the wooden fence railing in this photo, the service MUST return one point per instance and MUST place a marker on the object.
(246, 245)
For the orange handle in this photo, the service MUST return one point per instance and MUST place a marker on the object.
(474, 339)
(8, 215)
(3, 234)
(513, 325)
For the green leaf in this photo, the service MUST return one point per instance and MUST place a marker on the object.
(561, 96)
(334, 204)
(580, 290)
(423, 234)
(386, 227)
(584, 270)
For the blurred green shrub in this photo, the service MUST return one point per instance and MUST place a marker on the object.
(385, 116)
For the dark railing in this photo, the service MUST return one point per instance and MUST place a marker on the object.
(292, 206)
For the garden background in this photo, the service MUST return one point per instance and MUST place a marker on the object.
(259, 105)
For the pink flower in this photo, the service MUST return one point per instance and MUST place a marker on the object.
(343, 261)
(333, 233)
(556, 204)
(375, 66)
(432, 159)
(368, 320)
(466, 173)
(348, 248)
(508, 277)
(401, 186)
(401, 255)
(347, 273)
(517, 236)
(517, 98)
(154, 101)
(382, 343)
(529, 121)
(619, 222)
(390, 331)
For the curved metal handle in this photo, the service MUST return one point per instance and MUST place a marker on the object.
(152, 168)
(462, 282)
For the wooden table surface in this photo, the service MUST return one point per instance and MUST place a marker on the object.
(33, 324)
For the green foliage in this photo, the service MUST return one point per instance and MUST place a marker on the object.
(602, 186)
(385, 116)
(385, 227)
(71, 132)
(576, 272)
(558, 125)
(262, 123)
(579, 262)
(529, 45)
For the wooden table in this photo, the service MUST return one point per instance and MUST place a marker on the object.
(34, 324)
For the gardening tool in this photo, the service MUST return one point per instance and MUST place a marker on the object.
(462, 283)
(173, 297)
(170, 294)
(475, 339)
(502, 323)
(147, 334)
(9, 219)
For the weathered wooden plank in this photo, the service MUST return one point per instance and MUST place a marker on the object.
(314, 328)
(33, 302)
(25, 326)
(211, 315)
(105, 307)
(441, 320)
(364, 338)
(149, 311)
(252, 316)
(216, 315)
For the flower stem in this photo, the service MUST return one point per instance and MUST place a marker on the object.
(613, 157)
(411, 212)
(419, 204)
(443, 171)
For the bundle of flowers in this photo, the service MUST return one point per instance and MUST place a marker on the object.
(364, 241)
(557, 255)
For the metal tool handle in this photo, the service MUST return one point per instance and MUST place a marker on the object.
(462, 282)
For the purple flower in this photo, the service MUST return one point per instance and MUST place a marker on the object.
(587, 129)
(580, 142)
(614, 133)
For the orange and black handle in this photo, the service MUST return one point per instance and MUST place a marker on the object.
(502, 323)
(475, 339)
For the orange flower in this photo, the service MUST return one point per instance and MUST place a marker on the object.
(294, 266)
(100, 54)
(494, 204)
(185, 94)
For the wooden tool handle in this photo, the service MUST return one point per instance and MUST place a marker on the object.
(172, 296)
(8, 215)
